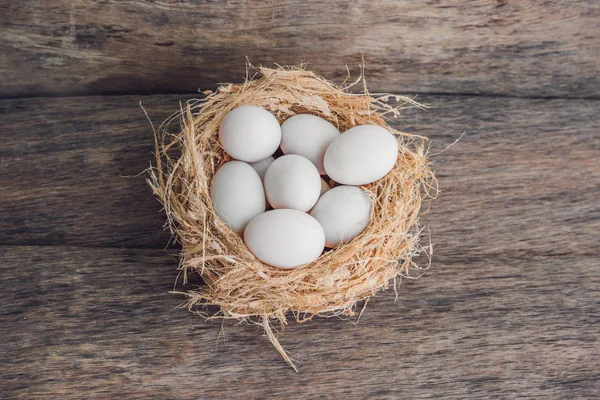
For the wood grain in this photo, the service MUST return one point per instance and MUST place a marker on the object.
(509, 308)
(68, 172)
(503, 47)
(524, 180)
(99, 324)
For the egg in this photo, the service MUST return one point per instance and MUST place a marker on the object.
(361, 155)
(292, 181)
(324, 187)
(285, 238)
(249, 133)
(237, 194)
(261, 166)
(309, 136)
(343, 212)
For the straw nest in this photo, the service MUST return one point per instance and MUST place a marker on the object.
(238, 283)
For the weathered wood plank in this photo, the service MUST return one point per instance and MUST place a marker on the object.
(99, 323)
(522, 48)
(67, 172)
(523, 180)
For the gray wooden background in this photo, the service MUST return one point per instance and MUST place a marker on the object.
(510, 307)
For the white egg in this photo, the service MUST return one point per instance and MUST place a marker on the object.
(261, 166)
(309, 136)
(343, 212)
(324, 187)
(237, 194)
(285, 238)
(361, 155)
(250, 133)
(292, 181)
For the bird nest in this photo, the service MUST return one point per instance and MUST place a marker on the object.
(241, 286)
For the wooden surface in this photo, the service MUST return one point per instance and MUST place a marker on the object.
(510, 307)
(97, 323)
(526, 166)
(502, 47)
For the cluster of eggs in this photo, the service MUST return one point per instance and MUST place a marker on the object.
(308, 215)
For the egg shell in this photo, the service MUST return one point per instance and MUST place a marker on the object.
(237, 194)
(361, 155)
(249, 133)
(292, 181)
(343, 212)
(261, 166)
(309, 136)
(285, 238)
(324, 187)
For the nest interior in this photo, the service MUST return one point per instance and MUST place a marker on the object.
(237, 282)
